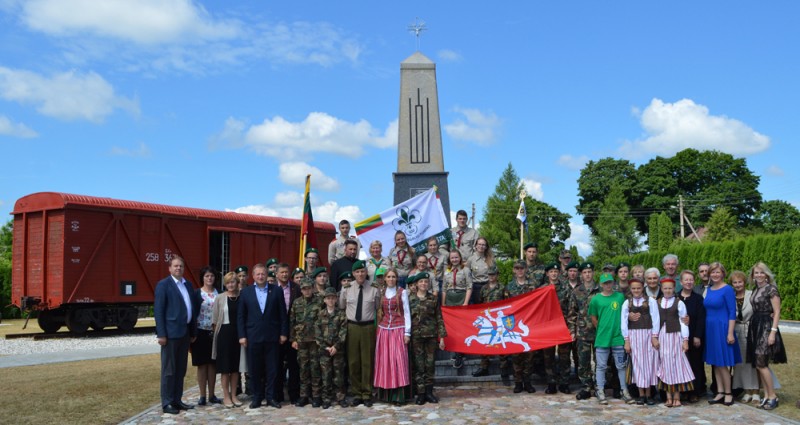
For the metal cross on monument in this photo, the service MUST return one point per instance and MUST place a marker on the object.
(417, 28)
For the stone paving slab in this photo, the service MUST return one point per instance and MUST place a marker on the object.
(470, 405)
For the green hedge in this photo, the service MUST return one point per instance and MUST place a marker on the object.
(780, 252)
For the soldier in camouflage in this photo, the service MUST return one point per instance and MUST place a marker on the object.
(564, 292)
(552, 276)
(565, 258)
(492, 291)
(523, 366)
(535, 274)
(330, 330)
(581, 328)
(303, 315)
(427, 333)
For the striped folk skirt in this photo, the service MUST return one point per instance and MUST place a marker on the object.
(674, 372)
(391, 359)
(644, 358)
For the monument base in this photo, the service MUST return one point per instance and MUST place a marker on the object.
(408, 185)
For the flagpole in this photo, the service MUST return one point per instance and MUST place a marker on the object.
(303, 229)
(522, 224)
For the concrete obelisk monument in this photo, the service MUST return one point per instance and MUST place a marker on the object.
(420, 160)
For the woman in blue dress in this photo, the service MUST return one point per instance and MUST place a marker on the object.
(722, 350)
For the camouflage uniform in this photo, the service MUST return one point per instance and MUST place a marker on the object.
(535, 273)
(523, 364)
(304, 313)
(331, 331)
(581, 327)
(488, 295)
(427, 327)
(564, 292)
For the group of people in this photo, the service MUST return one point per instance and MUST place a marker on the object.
(323, 332)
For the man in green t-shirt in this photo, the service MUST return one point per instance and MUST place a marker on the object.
(604, 310)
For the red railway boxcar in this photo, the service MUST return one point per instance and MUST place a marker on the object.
(84, 261)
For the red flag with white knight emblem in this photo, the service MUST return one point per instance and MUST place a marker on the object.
(523, 323)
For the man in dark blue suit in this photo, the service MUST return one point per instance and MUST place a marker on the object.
(176, 328)
(263, 326)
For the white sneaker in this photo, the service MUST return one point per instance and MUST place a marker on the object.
(746, 398)
(626, 397)
(601, 397)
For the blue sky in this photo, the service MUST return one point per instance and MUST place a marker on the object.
(227, 105)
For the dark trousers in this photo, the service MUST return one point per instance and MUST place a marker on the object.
(288, 363)
(360, 357)
(262, 361)
(475, 297)
(695, 356)
(174, 358)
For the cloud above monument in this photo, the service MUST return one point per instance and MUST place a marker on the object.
(672, 127)
(475, 126)
(15, 129)
(317, 133)
(446, 55)
(294, 174)
(290, 205)
(533, 188)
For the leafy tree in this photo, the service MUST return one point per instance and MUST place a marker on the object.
(779, 216)
(722, 225)
(665, 232)
(652, 232)
(615, 230)
(6, 238)
(547, 226)
(596, 178)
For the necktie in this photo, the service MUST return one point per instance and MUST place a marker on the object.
(360, 300)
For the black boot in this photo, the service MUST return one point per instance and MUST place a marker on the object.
(302, 402)
(316, 402)
(420, 400)
(429, 397)
(517, 387)
(529, 388)
(480, 372)
(564, 388)
(551, 389)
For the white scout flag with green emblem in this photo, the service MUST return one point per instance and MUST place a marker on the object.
(419, 218)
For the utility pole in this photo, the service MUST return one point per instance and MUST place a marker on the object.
(680, 208)
(472, 219)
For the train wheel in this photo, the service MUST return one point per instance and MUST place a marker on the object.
(97, 326)
(78, 321)
(127, 319)
(49, 322)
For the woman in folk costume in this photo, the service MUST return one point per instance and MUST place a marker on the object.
(392, 378)
(675, 372)
(640, 328)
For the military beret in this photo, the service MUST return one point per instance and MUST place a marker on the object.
(297, 270)
(492, 270)
(411, 279)
(530, 245)
(346, 275)
(621, 265)
(380, 271)
(317, 271)
(573, 265)
(306, 282)
(270, 274)
(586, 265)
(311, 250)
(608, 266)
(359, 265)
(550, 266)
(520, 263)
(606, 278)
(330, 292)
(242, 269)
(271, 261)
(421, 275)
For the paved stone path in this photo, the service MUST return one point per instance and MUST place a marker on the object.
(469, 405)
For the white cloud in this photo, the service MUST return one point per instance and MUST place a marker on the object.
(294, 174)
(446, 55)
(774, 170)
(672, 127)
(141, 151)
(481, 128)
(9, 128)
(141, 21)
(533, 188)
(165, 35)
(68, 96)
(573, 162)
(580, 237)
(319, 132)
(282, 206)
